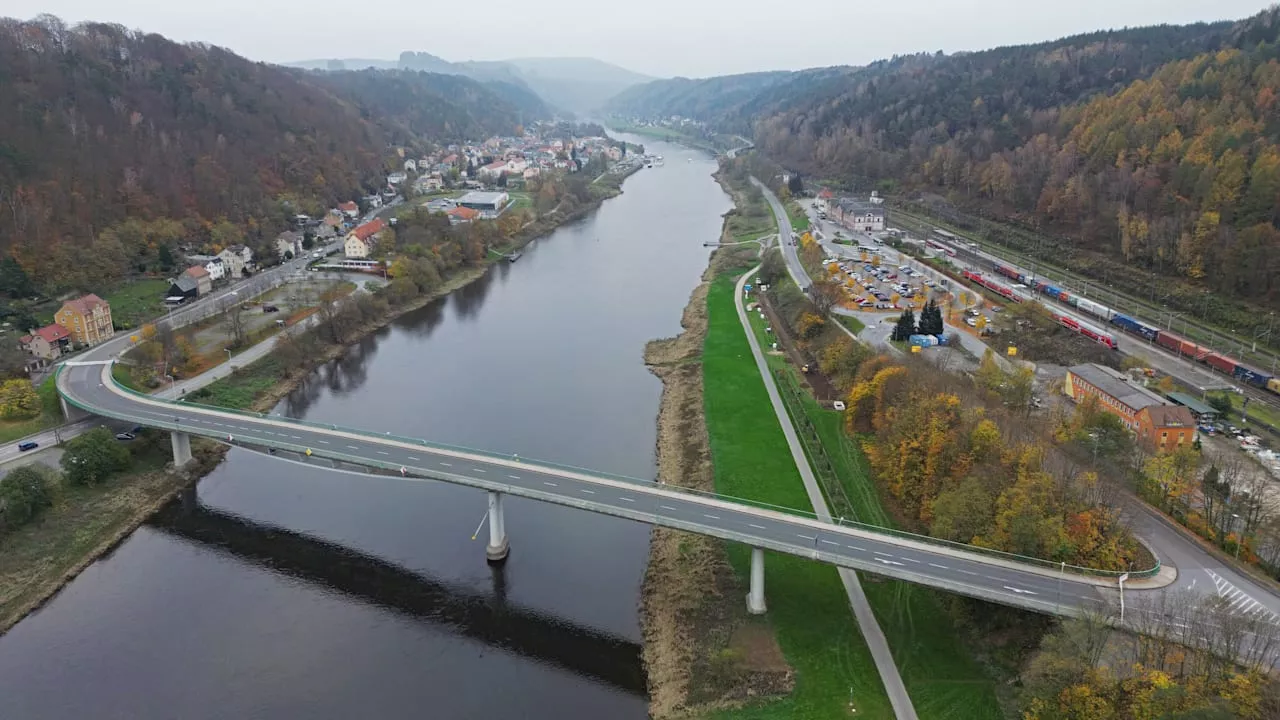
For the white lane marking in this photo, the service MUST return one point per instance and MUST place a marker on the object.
(712, 517)
(267, 432)
(625, 499)
(323, 442)
(1020, 591)
(296, 437)
(828, 542)
(383, 452)
(588, 492)
(514, 477)
(806, 537)
(855, 547)
(477, 470)
(410, 457)
(550, 484)
(758, 527)
(352, 447)
(910, 560)
(667, 507)
(887, 562)
(447, 464)
(881, 553)
(940, 567)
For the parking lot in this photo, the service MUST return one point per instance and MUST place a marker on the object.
(883, 287)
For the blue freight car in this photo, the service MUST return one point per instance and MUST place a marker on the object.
(1137, 328)
(1251, 376)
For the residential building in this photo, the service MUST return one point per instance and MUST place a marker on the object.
(492, 171)
(824, 200)
(859, 216)
(532, 172)
(232, 263)
(1115, 391)
(181, 289)
(361, 241)
(463, 214)
(373, 201)
(204, 283)
(490, 202)
(396, 178)
(211, 263)
(289, 241)
(245, 252)
(87, 318)
(1166, 427)
(334, 218)
(426, 184)
(350, 209)
(410, 165)
(47, 343)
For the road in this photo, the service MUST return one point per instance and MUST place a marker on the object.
(867, 623)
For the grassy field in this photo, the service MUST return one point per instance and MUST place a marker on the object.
(50, 416)
(520, 200)
(798, 217)
(244, 386)
(137, 301)
(807, 603)
(1258, 412)
(852, 323)
(752, 221)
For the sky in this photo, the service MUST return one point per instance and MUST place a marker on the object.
(693, 38)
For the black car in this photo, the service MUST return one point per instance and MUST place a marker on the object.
(25, 446)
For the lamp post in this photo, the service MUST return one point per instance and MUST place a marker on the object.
(1235, 523)
(1121, 581)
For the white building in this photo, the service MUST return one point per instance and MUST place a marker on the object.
(211, 263)
(233, 263)
(485, 202)
(859, 216)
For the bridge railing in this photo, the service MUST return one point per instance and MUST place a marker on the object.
(1042, 563)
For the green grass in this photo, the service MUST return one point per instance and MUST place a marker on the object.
(137, 301)
(50, 416)
(520, 200)
(1258, 412)
(244, 386)
(853, 323)
(807, 603)
(798, 217)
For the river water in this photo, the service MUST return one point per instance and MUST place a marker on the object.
(280, 591)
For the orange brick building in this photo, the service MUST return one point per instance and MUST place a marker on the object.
(1159, 425)
(87, 318)
(1166, 427)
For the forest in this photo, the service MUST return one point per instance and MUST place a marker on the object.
(117, 147)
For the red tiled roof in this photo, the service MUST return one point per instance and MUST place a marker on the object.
(465, 213)
(349, 207)
(197, 271)
(1168, 416)
(370, 228)
(86, 304)
(50, 333)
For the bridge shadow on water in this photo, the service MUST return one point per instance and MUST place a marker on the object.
(481, 616)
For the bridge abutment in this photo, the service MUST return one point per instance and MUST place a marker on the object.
(498, 547)
(71, 412)
(755, 598)
(181, 448)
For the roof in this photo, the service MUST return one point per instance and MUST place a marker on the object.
(369, 229)
(195, 272)
(1191, 403)
(86, 304)
(349, 206)
(50, 333)
(185, 283)
(465, 213)
(483, 198)
(1117, 385)
(1168, 416)
(859, 207)
(496, 164)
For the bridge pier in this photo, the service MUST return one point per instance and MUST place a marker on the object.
(498, 547)
(71, 412)
(181, 448)
(755, 598)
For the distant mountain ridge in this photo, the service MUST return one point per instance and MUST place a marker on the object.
(575, 84)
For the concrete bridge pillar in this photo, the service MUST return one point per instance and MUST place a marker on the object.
(71, 412)
(498, 545)
(181, 448)
(755, 598)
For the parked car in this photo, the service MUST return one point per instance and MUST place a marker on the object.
(28, 445)
(125, 437)
(270, 309)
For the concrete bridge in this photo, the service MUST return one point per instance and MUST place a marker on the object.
(1021, 582)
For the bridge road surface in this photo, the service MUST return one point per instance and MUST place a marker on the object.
(957, 570)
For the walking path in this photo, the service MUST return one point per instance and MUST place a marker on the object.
(867, 623)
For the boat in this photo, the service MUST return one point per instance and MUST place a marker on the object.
(512, 257)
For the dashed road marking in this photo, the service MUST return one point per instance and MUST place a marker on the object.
(1019, 591)
(477, 470)
(383, 452)
(586, 491)
(447, 464)
(758, 527)
(410, 457)
(549, 484)
(667, 507)
(855, 547)
(881, 553)
(514, 477)
(806, 537)
(625, 499)
(352, 447)
(828, 542)
(323, 442)
(940, 567)
(711, 517)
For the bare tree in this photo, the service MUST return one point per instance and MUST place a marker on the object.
(825, 294)
(235, 323)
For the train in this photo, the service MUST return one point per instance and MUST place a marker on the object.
(1168, 340)
(941, 247)
(1018, 295)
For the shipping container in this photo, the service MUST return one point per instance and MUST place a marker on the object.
(1218, 362)
(1130, 325)
(1274, 385)
(923, 340)
(1251, 376)
(943, 339)
(1095, 309)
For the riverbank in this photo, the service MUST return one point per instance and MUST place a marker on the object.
(38, 560)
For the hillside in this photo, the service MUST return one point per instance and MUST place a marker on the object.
(713, 97)
(116, 146)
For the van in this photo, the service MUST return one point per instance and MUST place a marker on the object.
(28, 445)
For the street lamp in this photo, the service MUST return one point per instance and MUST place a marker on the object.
(228, 354)
(1239, 535)
(1121, 580)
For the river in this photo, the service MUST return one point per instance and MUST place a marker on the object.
(279, 591)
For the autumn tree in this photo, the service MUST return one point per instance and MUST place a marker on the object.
(18, 400)
(825, 295)
(93, 457)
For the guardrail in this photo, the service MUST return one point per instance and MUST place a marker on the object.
(1040, 563)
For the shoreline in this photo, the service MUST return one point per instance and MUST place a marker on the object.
(164, 486)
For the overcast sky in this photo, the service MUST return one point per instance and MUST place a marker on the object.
(694, 38)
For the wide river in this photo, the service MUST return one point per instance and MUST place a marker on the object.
(279, 591)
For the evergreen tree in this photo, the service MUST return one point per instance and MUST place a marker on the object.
(906, 326)
(931, 319)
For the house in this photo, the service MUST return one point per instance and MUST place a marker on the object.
(489, 202)
(47, 343)
(823, 202)
(1116, 393)
(859, 216)
(397, 178)
(373, 201)
(427, 184)
(410, 165)
(516, 166)
(334, 218)
(1166, 427)
(87, 318)
(204, 283)
(350, 209)
(361, 241)
(289, 242)
(182, 288)
(245, 252)
(532, 172)
(463, 214)
(492, 171)
(232, 263)
(211, 263)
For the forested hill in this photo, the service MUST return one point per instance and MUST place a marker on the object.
(114, 143)
(703, 98)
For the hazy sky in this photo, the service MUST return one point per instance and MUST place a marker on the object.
(694, 38)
